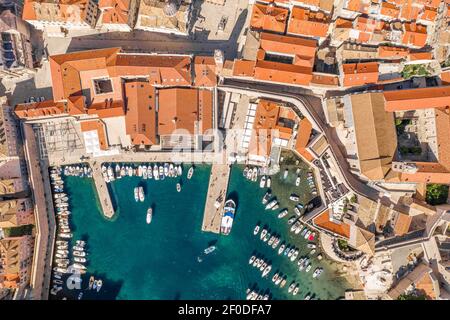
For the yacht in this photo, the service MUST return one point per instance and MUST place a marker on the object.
(256, 230)
(79, 259)
(149, 215)
(263, 234)
(294, 197)
(228, 217)
(295, 290)
(307, 234)
(266, 237)
(155, 172)
(260, 262)
(317, 272)
(291, 287)
(262, 183)
(141, 194)
(252, 259)
(255, 175)
(149, 172)
(244, 173)
(271, 240)
(179, 170)
(294, 255)
(140, 173)
(275, 277)
(271, 204)
(297, 181)
(304, 232)
(281, 250)
(255, 263)
(267, 197)
(268, 182)
(161, 173)
(297, 231)
(275, 243)
(136, 194)
(266, 271)
(178, 187)
(308, 268)
(263, 266)
(144, 172)
(311, 246)
(166, 169)
(79, 253)
(171, 172)
(190, 172)
(283, 282)
(291, 252)
(292, 220)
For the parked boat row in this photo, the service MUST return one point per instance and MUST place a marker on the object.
(311, 184)
(78, 171)
(95, 284)
(261, 265)
(251, 173)
(257, 294)
(155, 171)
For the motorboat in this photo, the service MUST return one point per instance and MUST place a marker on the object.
(149, 215)
(263, 234)
(79, 253)
(91, 282)
(294, 255)
(271, 240)
(297, 181)
(260, 262)
(319, 256)
(249, 174)
(136, 194)
(291, 287)
(266, 237)
(209, 249)
(263, 266)
(275, 277)
(312, 252)
(178, 187)
(304, 232)
(228, 217)
(283, 282)
(266, 197)
(292, 220)
(79, 259)
(268, 182)
(266, 271)
(166, 169)
(311, 246)
(190, 172)
(161, 173)
(291, 252)
(285, 174)
(179, 170)
(317, 272)
(255, 175)
(140, 173)
(171, 172)
(244, 173)
(275, 243)
(141, 194)
(307, 234)
(294, 197)
(255, 263)
(144, 173)
(256, 230)
(286, 251)
(155, 172)
(297, 231)
(99, 284)
(297, 210)
(149, 172)
(262, 183)
(295, 290)
(308, 268)
(271, 204)
(312, 236)
(281, 249)
(252, 259)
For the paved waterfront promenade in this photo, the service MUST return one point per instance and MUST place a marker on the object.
(102, 190)
(217, 192)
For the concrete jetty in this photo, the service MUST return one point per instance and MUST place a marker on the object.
(215, 200)
(102, 190)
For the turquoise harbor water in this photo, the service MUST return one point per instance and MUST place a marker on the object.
(159, 261)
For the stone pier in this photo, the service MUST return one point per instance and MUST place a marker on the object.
(102, 190)
(215, 199)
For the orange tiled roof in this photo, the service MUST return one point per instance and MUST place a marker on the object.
(343, 23)
(421, 56)
(428, 14)
(184, 109)
(96, 125)
(323, 221)
(325, 79)
(288, 45)
(392, 52)
(445, 77)
(64, 10)
(269, 17)
(308, 23)
(360, 73)
(409, 12)
(205, 71)
(415, 34)
(281, 72)
(304, 133)
(140, 116)
(244, 68)
(421, 98)
(390, 10)
(114, 11)
(401, 224)
(39, 109)
(357, 5)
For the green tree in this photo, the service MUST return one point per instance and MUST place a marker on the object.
(436, 194)
(411, 297)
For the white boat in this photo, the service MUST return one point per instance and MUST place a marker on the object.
(172, 173)
(271, 204)
(166, 169)
(317, 272)
(275, 277)
(295, 290)
(307, 234)
(291, 287)
(252, 259)
(79, 259)
(263, 266)
(260, 263)
(276, 243)
(311, 246)
(245, 172)
(250, 173)
(79, 266)
(271, 240)
(266, 271)
(149, 172)
(79, 253)
(136, 194)
(161, 173)
(255, 263)
(282, 247)
(141, 194)
(78, 248)
(155, 172)
(91, 282)
(262, 183)
(130, 171)
(144, 172)
(99, 284)
(255, 174)
(291, 252)
(268, 182)
(294, 256)
(149, 215)
(266, 237)
(297, 181)
(266, 197)
(308, 268)
(190, 172)
(256, 230)
(178, 187)
(263, 234)
(285, 174)
(228, 217)
(140, 173)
